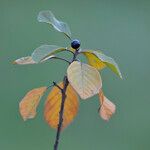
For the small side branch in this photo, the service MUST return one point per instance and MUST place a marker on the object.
(55, 84)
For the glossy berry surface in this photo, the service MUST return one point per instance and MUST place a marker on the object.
(75, 44)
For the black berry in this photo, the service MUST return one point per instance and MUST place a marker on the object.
(75, 44)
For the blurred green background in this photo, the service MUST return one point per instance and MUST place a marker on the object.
(121, 28)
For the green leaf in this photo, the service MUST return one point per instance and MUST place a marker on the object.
(108, 61)
(44, 52)
(48, 17)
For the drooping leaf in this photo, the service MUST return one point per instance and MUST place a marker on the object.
(84, 79)
(48, 17)
(93, 57)
(29, 103)
(53, 104)
(24, 61)
(107, 108)
(45, 51)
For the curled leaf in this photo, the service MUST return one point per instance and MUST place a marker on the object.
(29, 103)
(48, 17)
(84, 79)
(53, 104)
(98, 60)
(107, 108)
(24, 61)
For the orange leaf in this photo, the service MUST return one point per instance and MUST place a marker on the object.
(53, 103)
(29, 103)
(107, 108)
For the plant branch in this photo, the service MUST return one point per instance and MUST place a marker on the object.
(75, 55)
(50, 86)
(63, 92)
(61, 112)
(55, 84)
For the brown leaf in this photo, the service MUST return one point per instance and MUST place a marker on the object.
(53, 103)
(24, 61)
(107, 108)
(29, 103)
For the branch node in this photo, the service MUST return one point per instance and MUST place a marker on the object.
(55, 84)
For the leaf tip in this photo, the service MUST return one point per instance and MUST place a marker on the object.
(121, 76)
(24, 119)
(45, 16)
(14, 62)
(107, 108)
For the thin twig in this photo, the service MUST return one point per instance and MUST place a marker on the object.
(50, 86)
(55, 84)
(63, 92)
(75, 55)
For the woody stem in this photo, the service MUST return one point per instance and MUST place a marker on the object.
(63, 92)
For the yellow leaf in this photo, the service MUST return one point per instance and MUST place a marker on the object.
(99, 60)
(94, 61)
(107, 108)
(71, 49)
(84, 79)
(53, 104)
(29, 103)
